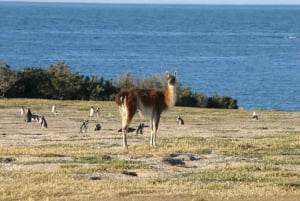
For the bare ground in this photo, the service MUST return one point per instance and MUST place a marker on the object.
(64, 128)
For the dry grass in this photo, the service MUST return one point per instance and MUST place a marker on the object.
(216, 155)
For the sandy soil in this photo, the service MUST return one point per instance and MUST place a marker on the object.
(64, 127)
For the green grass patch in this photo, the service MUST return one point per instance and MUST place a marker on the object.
(234, 158)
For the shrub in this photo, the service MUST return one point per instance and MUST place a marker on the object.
(185, 97)
(226, 102)
(59, 82)
(126, 81)
(7, 78)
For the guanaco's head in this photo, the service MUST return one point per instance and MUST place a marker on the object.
(171, 78)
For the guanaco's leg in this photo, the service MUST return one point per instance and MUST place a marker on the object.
(154, 126)
(127, 116)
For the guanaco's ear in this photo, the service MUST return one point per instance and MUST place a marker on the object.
(167, 73)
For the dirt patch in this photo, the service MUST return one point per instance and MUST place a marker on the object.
(234, 129)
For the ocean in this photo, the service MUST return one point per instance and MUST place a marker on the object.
(250, 53)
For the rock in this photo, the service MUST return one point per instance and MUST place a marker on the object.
(7, 159)
(173, 161)
(130, 173)
(184, 156)
(95, 178)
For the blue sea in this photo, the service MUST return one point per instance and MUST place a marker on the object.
(251, 53)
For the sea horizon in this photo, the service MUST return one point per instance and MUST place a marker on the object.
(216, 49)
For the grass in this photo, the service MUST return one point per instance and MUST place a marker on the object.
(235, 158)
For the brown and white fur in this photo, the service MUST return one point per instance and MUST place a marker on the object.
(148, 102)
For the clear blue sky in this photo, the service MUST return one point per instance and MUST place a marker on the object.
(177, 1)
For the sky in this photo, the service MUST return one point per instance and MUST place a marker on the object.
(275, 2)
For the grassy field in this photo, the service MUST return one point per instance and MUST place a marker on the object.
(216, 155)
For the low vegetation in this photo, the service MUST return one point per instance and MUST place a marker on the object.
(216, 155)
(59, 82)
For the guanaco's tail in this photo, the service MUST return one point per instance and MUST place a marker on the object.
(120, 97)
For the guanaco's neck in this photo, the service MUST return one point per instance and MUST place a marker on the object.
(170, 95)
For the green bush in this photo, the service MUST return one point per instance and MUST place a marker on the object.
(226, 102)
(7, 79)
(185, 97)
(59, 82)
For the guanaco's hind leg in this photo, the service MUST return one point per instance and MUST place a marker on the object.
(126, 116)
